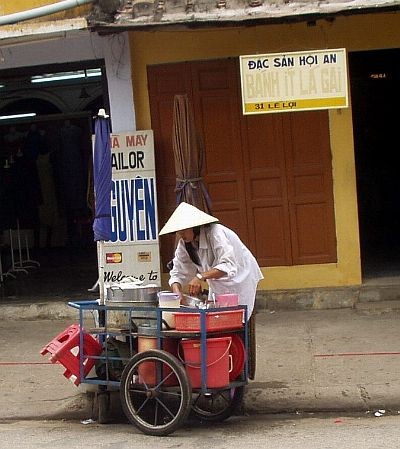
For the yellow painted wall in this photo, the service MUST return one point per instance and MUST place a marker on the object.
(11, 7)
(354, 33)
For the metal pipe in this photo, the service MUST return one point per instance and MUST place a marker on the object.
(41, 11)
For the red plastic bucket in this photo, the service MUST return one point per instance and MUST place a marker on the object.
(217, 365)
(237, 352)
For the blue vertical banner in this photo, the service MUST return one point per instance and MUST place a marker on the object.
(133, 249)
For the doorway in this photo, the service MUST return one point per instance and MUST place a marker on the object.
(375, 77)
(46, 193)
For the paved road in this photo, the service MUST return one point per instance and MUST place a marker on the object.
(306, 361)
(258, 432)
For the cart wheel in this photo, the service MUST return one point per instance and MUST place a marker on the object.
(155, 392)
(103, 407)
(217, 406)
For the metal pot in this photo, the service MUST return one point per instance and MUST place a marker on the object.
(131, 293)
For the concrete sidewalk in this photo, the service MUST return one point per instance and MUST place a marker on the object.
(327, 360)
(344, 359)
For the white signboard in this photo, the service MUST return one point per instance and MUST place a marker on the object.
(298, 81)
(133, 249)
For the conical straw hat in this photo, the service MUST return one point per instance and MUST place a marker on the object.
(186, 216)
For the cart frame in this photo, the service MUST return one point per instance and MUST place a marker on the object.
(234, 389)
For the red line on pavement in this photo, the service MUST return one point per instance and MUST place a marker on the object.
(24, 363)
(344, 354)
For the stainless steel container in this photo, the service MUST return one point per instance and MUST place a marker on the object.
(142, 295)
(191, 301)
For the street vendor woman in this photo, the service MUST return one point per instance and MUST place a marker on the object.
(210, 252)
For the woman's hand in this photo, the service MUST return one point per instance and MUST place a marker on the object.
(194, 287)
(177, 288)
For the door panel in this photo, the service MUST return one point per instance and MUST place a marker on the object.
(309, 179)
(310, 237)
(270, 239)
(265, 173)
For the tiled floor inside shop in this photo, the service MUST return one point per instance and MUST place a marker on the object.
(51, 274)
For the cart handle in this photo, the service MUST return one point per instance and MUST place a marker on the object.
(82, 304)
(152, 318)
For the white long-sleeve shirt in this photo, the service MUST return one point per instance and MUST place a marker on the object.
(221, 248)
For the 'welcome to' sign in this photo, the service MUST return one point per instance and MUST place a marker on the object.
(297, 81)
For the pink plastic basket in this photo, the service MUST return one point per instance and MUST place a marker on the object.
(215, 321)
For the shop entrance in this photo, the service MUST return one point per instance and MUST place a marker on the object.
(375, 77)
(45, 151)
(46, 194)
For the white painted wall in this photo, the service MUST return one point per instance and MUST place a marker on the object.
(84, 46)
(118, 67)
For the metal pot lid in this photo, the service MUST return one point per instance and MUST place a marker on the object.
(130, 286)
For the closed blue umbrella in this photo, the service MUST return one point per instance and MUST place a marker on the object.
(102, 178)
(102, 188)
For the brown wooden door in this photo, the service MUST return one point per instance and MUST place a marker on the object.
(269, 176)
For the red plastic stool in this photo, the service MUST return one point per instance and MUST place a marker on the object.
(61, 350)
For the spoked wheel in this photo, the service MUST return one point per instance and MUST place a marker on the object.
(217, 406)
(155, 392)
